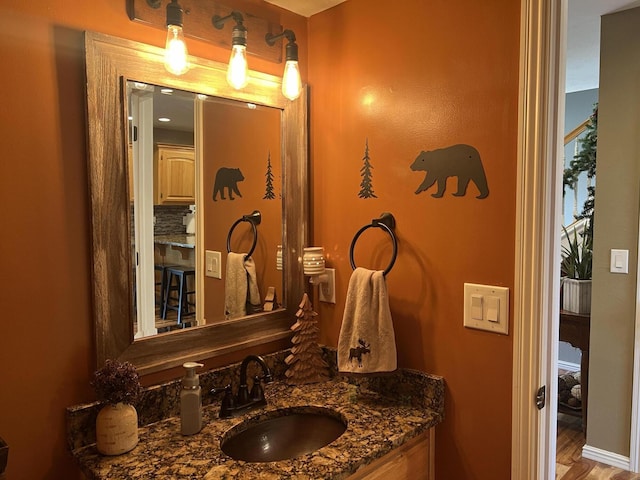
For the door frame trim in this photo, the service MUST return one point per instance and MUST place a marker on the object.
(537, 262)
(536, 305)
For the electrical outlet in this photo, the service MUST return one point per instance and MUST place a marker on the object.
(327, 290)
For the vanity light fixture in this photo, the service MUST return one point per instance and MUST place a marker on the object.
(291, 83)
(238, 70)
(175, 52)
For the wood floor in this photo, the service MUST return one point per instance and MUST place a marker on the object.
(569, 462)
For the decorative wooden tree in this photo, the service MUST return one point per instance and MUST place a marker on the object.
(366, 190)
(305, 362)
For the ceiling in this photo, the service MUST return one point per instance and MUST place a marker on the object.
(583, 40)
(306, 8)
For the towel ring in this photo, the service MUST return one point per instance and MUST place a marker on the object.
(254, 218)
(387, 223)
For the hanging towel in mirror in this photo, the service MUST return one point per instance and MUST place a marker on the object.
(253, 302)
(367, 342)
(241, 286)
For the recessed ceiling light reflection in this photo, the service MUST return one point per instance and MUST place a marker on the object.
(201, 96)
(252, 106)
(166, 91)
(164, 119)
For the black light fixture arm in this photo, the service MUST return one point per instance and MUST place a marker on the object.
(272, 38)
(291, 49)
(239, 32)
(219, 21)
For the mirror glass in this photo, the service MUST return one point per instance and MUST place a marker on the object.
(257, 138)
(239, 165)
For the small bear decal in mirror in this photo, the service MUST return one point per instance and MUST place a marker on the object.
(227, 178)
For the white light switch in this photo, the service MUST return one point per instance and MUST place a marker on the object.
(619, 261)
(476, 307)
(486, 308)
(212, 264)
(493, 309)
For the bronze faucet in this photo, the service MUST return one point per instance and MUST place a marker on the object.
(244, 400)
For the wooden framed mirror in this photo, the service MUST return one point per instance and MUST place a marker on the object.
(110, 63)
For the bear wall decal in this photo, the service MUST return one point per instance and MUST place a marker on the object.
(462, 161)
(227, 178)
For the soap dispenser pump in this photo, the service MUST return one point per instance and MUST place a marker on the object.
(190, 400)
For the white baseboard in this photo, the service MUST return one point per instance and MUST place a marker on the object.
(572, 367)
(608, 458)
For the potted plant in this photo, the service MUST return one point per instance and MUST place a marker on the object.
(577, 256)
(576, 266)
(117, 386)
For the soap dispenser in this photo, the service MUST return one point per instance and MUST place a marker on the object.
(190, 400)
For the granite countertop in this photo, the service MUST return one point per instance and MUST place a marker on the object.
(382, 413)
(176, 240)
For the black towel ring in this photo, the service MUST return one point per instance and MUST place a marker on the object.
(387, 223)
(254, 218)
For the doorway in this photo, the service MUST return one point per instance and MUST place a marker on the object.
(536, 306)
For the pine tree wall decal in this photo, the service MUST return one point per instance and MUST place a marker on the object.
(366, 186)
(269, 193)
(305, 361)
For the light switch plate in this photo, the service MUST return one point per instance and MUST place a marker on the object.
(619, 261)
(212, 264)
(494, 302)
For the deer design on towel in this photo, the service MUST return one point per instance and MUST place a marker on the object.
(359, 351)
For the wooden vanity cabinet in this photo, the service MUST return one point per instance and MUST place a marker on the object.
(174, 175)
(413, 460)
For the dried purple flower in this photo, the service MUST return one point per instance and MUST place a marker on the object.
(117, 382)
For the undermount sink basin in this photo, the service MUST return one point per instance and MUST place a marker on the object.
(283, 434)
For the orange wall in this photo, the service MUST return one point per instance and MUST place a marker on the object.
(423, 76)
(47, 351)
(411, 76)
(249, 153)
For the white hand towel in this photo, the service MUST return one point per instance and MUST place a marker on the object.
(367, 341)
(241, 291)
(235, 287)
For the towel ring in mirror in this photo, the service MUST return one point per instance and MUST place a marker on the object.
(254, 218)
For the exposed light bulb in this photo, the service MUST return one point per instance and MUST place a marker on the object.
(238, 71)
(175, 53)
(291, 83)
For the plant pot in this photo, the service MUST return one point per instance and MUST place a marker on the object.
(576, 295)
(116, 429)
